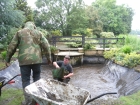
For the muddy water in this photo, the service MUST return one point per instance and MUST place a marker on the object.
(89, 77)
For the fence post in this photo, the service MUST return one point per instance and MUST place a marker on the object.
(54, 40)
(83, 40)
(104, 43)
(123, 40)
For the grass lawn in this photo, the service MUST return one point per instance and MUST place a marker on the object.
(2, 65)
(131, 99)
(11, 97)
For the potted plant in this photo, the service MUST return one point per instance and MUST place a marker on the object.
(89, 49)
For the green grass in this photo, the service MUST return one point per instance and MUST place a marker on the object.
(130, 99)
(2, 65)
(11, 97)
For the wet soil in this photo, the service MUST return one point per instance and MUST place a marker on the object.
(89, 77)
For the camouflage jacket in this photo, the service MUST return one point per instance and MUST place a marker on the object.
(30, 43)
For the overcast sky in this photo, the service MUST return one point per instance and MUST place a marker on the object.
(131, 3)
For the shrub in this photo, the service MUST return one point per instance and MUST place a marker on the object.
(56, 33)
(111, 54)
(133, 41)
(131, 60)
(126, 49)
(89, 46)
(107, 34)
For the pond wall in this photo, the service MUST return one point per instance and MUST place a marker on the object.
(93, 59)
(127, 80)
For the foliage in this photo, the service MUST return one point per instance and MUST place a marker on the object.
(89, 46)
(107, 34)
(72, 39)
(89, 32)
(3, 54)
(11, 97)
(63, 15)
(126, 49)
(110, 54)
(120, 42)
(73, 44)
(115, 18)
(127, 55)
(131, 60)
(56, 33)
(44, 32)
(11, 33)
(133, 41)
(80, 31)
(108, 40)
(94, 22)
(117, 56)
(9, 18)
(22, 5)
(101, 16)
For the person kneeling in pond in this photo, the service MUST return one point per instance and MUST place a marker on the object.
(66, 66)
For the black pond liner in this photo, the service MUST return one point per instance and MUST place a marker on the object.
(127, 80)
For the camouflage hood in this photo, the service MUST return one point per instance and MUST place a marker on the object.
(30, 25)
(30, 43)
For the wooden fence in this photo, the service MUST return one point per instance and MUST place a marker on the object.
(83, 40)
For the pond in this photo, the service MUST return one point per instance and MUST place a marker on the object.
(89, 77)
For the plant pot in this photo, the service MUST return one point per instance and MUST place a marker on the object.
(100, 52)
(80, 50)
(90, 52)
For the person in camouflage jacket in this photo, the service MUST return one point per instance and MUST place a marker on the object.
(30, 43)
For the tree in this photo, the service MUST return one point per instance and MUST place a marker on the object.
(63, 15)
(9, 18)
(22, 5)
(94, 22)
(115, 18)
